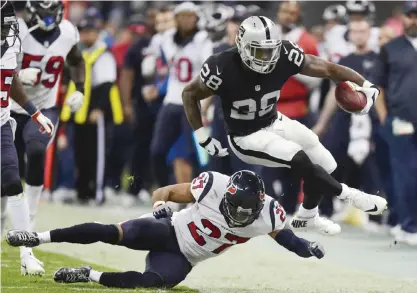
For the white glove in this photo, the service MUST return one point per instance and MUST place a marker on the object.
(30, 76)
(211, 145)
(371, 92)
(75, 101)
(45, 124)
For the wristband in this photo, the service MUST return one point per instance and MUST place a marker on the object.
(158, 203)
(201, 134)
(30, 108)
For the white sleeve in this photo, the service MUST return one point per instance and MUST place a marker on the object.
(104, 69)
(201, 185)
(277, 215)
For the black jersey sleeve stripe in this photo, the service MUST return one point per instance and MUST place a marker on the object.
(272, 214)
(267, 32)
(207, 187)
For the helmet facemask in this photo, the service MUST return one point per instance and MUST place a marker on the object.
(260, 57)
(48, 15)
(9, 30)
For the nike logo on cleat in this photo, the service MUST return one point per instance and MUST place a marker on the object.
(372, 210)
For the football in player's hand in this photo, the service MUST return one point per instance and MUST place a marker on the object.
(348, 98)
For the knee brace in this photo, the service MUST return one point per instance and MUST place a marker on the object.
(11, 184)
(35, 164)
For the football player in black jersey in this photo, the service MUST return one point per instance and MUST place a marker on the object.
(248, 79)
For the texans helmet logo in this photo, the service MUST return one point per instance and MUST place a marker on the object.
(231, 189)
(262, 196)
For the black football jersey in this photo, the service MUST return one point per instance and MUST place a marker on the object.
(249, 98)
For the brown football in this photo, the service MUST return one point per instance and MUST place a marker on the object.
(348, 98)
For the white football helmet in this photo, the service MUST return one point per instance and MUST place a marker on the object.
(259, 43)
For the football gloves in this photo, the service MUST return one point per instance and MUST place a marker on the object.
(316, 249)
(161, 210)
(29, 76)
(75, 101)
(46, 125)
(211, 145)
(371, 92)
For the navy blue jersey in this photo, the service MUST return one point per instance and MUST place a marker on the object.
(396, 72)
(133, 60)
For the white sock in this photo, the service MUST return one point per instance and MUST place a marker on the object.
(33, 194)
(95, 276)
(345, 192)
(304, 213)
(19, 214)
(44, 237)
(3, 212)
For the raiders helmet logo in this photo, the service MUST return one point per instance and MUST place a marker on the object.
(241, 32)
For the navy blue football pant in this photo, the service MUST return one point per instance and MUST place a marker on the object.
(231, 163)
(166, 266)
(10, 178)
(403, 157)
(171, 122)
(30, 141)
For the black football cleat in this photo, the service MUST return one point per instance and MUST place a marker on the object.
(22, 238)
(72, 275)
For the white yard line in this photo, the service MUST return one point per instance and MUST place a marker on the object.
(354, 262)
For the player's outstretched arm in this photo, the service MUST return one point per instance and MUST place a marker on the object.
(76, 64)
(179, 193)
(318, 67)
(192, 94)
(18, 94)
(299, 246)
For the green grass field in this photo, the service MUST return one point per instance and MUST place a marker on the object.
(13, 282)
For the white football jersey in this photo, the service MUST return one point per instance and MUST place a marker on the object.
(201, 230)
(184, 61)
(50, 58)
(8, 64)
(337, 46)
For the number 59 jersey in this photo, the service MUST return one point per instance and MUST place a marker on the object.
(249, 98)
(201, 230)
(8, 64)
(48, 53)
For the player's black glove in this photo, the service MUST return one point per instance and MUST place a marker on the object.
(316, 249)
(161, 210)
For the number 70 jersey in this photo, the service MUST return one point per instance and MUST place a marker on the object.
(201, 230)
(48, 53)
(249, 98)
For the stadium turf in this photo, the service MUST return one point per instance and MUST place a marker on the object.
(13, 282)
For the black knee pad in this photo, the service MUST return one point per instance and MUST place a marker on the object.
(11, 184)
(11, 188)
(35, 151)
(301, 165)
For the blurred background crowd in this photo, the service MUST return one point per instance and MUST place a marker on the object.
(107, 157)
